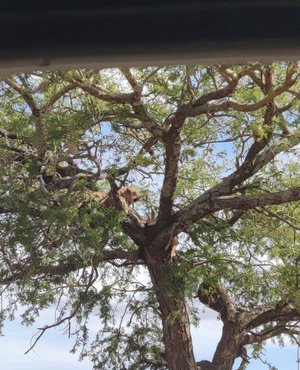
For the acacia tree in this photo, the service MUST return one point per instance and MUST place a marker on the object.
(214, 152)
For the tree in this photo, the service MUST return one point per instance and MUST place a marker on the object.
(214, 152)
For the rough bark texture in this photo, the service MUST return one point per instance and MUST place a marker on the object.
(228, 348)
(175, 320)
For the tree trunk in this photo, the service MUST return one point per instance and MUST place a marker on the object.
(175, 320)
(228, 348)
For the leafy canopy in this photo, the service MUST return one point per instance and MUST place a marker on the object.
(214, 150)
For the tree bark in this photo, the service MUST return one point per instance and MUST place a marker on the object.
(174, 314)
(229, 347)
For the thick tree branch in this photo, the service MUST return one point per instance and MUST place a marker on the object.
(247, 168)
(10, 136)
(138, 107)
(125, 98)
(121, 98)
(24, 94)
(229, 104)
(173, 147)
(263, 335)
(35, 113)
(242, 327)
(232, 80)
(218, 299)
(235, 217)
(5, 210)
(72, 264)
(261, 200)
(59, 94)
(137, 88)
(191, 214)
(283, 312)
(251, 165)
(254, 161)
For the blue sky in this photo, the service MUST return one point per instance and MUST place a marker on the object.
(52, 351)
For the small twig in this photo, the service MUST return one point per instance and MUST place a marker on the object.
(45, 328)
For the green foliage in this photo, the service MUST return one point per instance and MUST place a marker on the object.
(54, 235)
